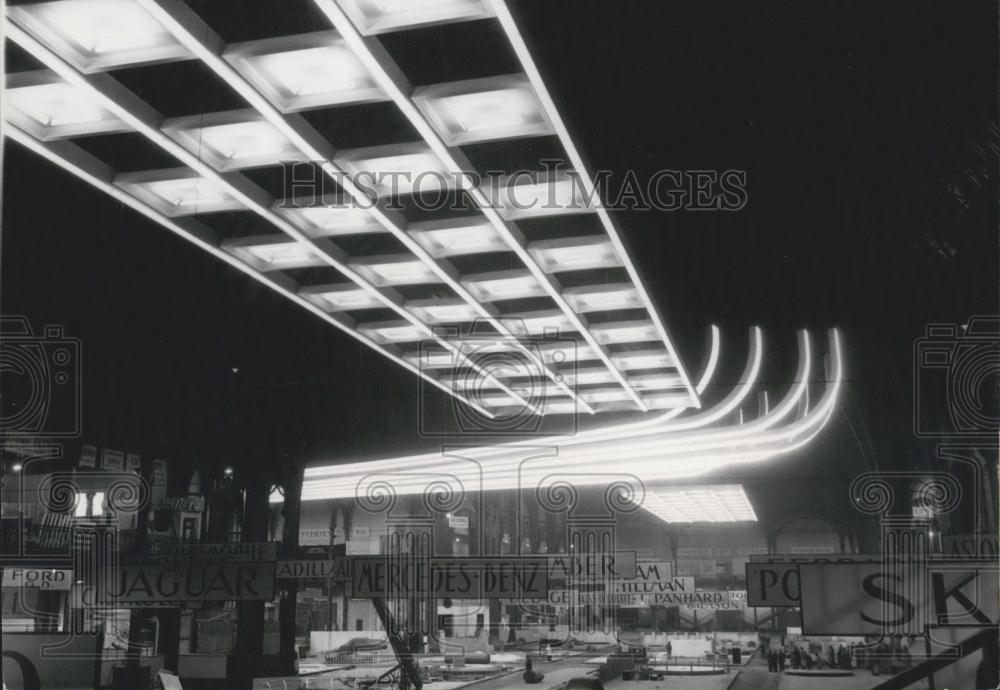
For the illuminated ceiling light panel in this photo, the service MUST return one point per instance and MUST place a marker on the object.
(561, 405)
(652, 382)
(537, 195)
(457, 237)
(666, 401)
(397, 169)
(574, 254)
(177, 192)
(431, 358)
(722, 503)
(588, 376)
(605, 395)
(497, 400)
(565, 353)
(345, 297)
(442, 310)
(625, 332)
(591, 298)
(380, 16)
(548, 322)
(96, 35)
(489, 109)
(642, 359)
(48, 108)
(233, 140)
(397, 269)
(305, 71)
(502, 285)
(273, 252)
(319, 218)
(392, 332)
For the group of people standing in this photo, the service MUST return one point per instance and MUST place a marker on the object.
(776, 660)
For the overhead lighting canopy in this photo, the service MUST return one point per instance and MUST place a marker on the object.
(712, 503)
(397, 169)
(380, 16)
(96, 35)
(468, 112)
(233, 140)
(305, 71)
(437, 311)
(457, 237)
(590, 298)
(397, 269)
(392, 332)
(575, 253)
(273, 252)
(538, 195)
(49, 108)
(551, 322)
(327, 218)
(503, 285)
(178, 192)
(642, 359)
(340, 297)
(618, 332)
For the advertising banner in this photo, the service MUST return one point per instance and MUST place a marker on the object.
(190, 582)
(454, 579)
(891, 598)
(39, 578)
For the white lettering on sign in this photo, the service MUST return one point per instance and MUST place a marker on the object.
(337, 569)
(722, 600)
(236, 552)
(186, 504)
(39, 578)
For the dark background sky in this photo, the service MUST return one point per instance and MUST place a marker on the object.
(868, 134)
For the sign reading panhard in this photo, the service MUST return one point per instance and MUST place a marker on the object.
(39, 578)
(456, 579)
(336, 569)
(898, 597)
(721, 600)
(190, 582)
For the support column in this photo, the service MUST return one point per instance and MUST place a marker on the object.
(289, 588)
(249, 645)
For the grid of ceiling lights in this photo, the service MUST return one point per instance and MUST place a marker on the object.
(710, 503)
(596, 364)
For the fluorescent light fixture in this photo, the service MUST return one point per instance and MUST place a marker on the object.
(395, 269)
(457, 236)
(468, 112)
(538, 194)
(547, 322)
(625, 332)
(443, 310)
(591, 298)
(501, 285)
(177, 192)
(605, 395)
(233, 140)
(273, 252)
(642, 359)
(327, 218)
(379, 16)
(392, 332)
(96, 35)
(342, 297)
(655, 382)
(721, 503)
(397, 169)
(48, 108)
(588, 376)
(575, 253)
(305, 71)
(431, 358)
(561, 405)
(666, 401)
(564, 353)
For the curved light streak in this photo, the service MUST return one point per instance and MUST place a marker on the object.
(663, 457)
